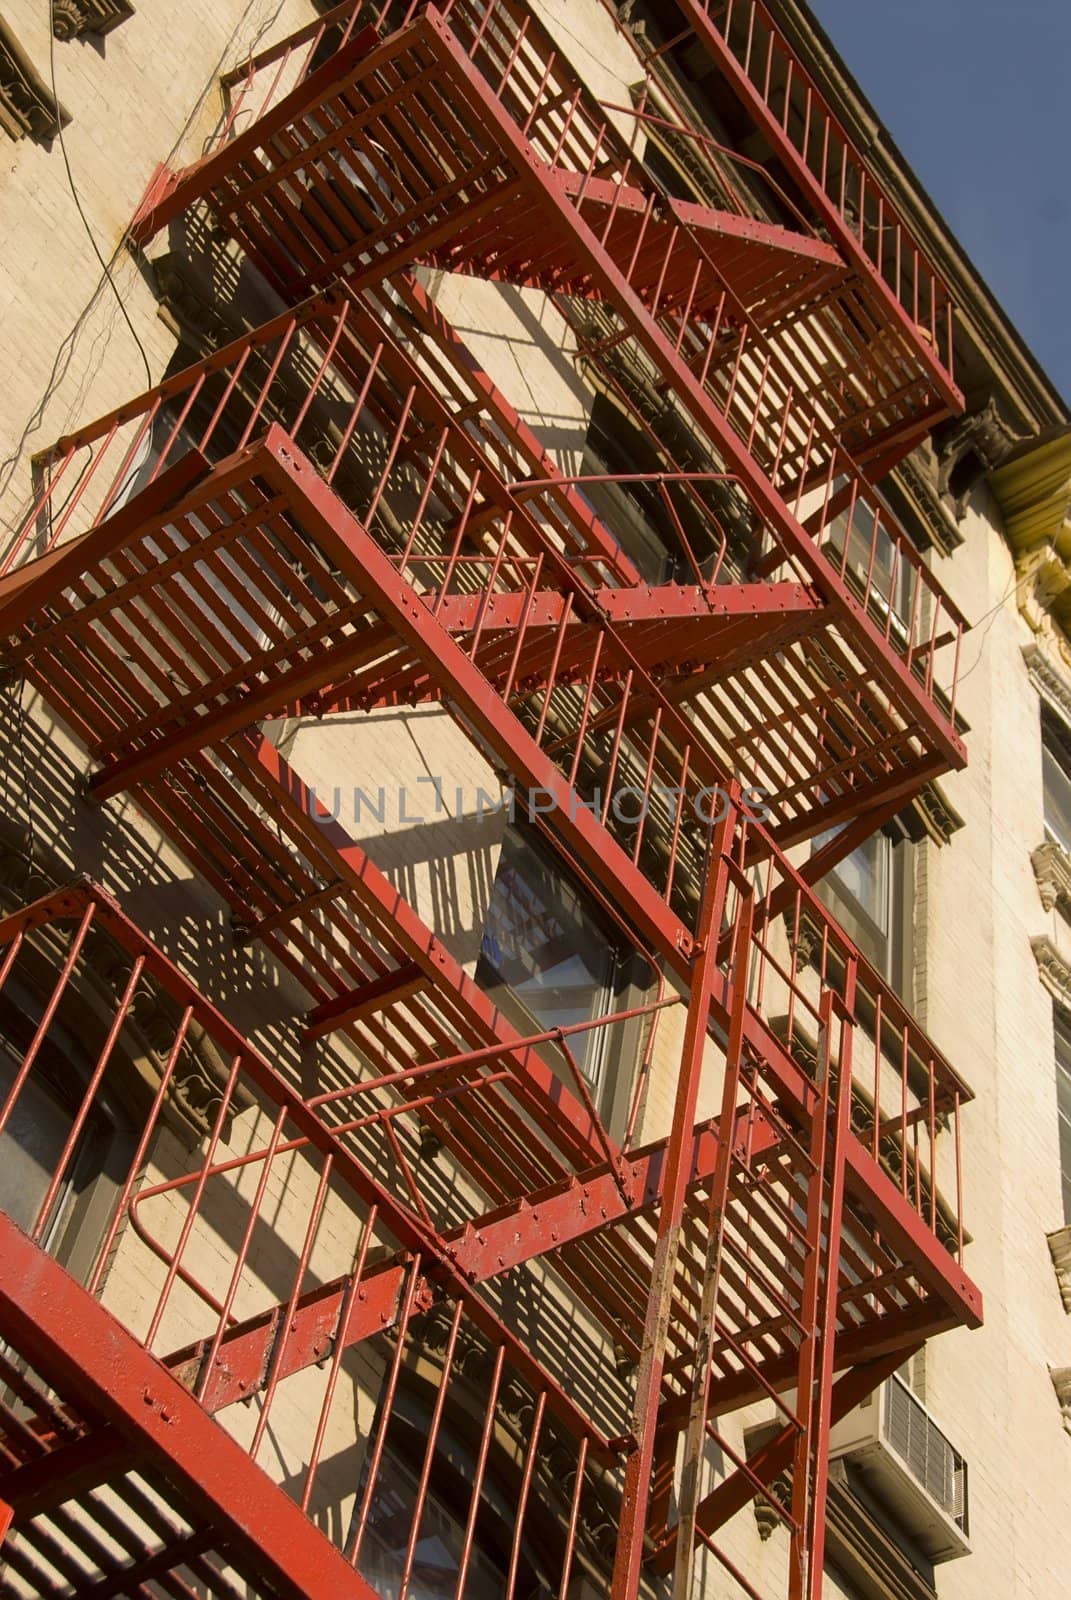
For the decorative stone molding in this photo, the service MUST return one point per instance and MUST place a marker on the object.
(1053, 970)
(1033, 491)
(930, 816)
(914, 492)
(970, 450)
(1061, 1382)
(73, 18)
(1052, 869)
(28, 108)
(1060, 1251)
(1048, 661)
(767, 1517)
(1043, 579)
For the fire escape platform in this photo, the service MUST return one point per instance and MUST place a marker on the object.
(232, 590)
(431, 145)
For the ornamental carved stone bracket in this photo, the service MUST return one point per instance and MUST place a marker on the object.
(916, 485)
(1060, 1250)
(1043, 585)
(71, 19)
(974, 447)
(1061, 1382)
(28, 108)
(1052, 869)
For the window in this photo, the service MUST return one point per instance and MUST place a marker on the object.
(446, 1507)
(548, 960)
(873, 560)
(634, 513)
(39, 1124)
(1062, 1034)
(868, 893)
(1056, 780)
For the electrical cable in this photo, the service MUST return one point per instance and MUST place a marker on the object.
(64, 353)
(106, 266)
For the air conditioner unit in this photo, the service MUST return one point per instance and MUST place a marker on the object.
(910, 1465)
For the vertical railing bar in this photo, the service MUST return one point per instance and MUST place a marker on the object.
(92, 1085)
(138, 1158)
(477, 1481)
(429, 1453)
(194, 1206)
(522, 1501)
(241, 1255)
(386, 1405)
(341, 1344)
(47, 1015)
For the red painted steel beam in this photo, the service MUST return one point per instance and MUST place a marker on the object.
(169, 194)
(374, 575)
(25, 591)
(83, 1351)
(45, 1483)
(411, 1230)
(655, 610)
(536, 1225)
(706, 980)
(376, 996)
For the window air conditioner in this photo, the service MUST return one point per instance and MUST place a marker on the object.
(910, 1465)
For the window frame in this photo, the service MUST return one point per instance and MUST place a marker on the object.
(631, 979)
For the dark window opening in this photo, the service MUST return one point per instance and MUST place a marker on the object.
(548, 960)
(33, 1143)
(1062, 1038)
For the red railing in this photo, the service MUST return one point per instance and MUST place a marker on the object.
(311, 1255)
(467, 507)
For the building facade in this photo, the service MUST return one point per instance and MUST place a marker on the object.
(535, 966)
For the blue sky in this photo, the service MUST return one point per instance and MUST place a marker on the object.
(977, 94)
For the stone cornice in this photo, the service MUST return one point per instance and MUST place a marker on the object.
(1033, 490)
(1048, 661)
(1052, 869)
(28, 108)
(1053, 969)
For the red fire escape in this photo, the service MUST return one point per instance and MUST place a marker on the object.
(339, 513)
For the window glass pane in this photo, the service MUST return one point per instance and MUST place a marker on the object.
(1063, 1103)
(1056, 780)
(30, 1145)
(864, 875)
(872, 555)
(438, 1548)
(543, 945)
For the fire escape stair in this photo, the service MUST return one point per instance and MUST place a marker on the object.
(124, 1423)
